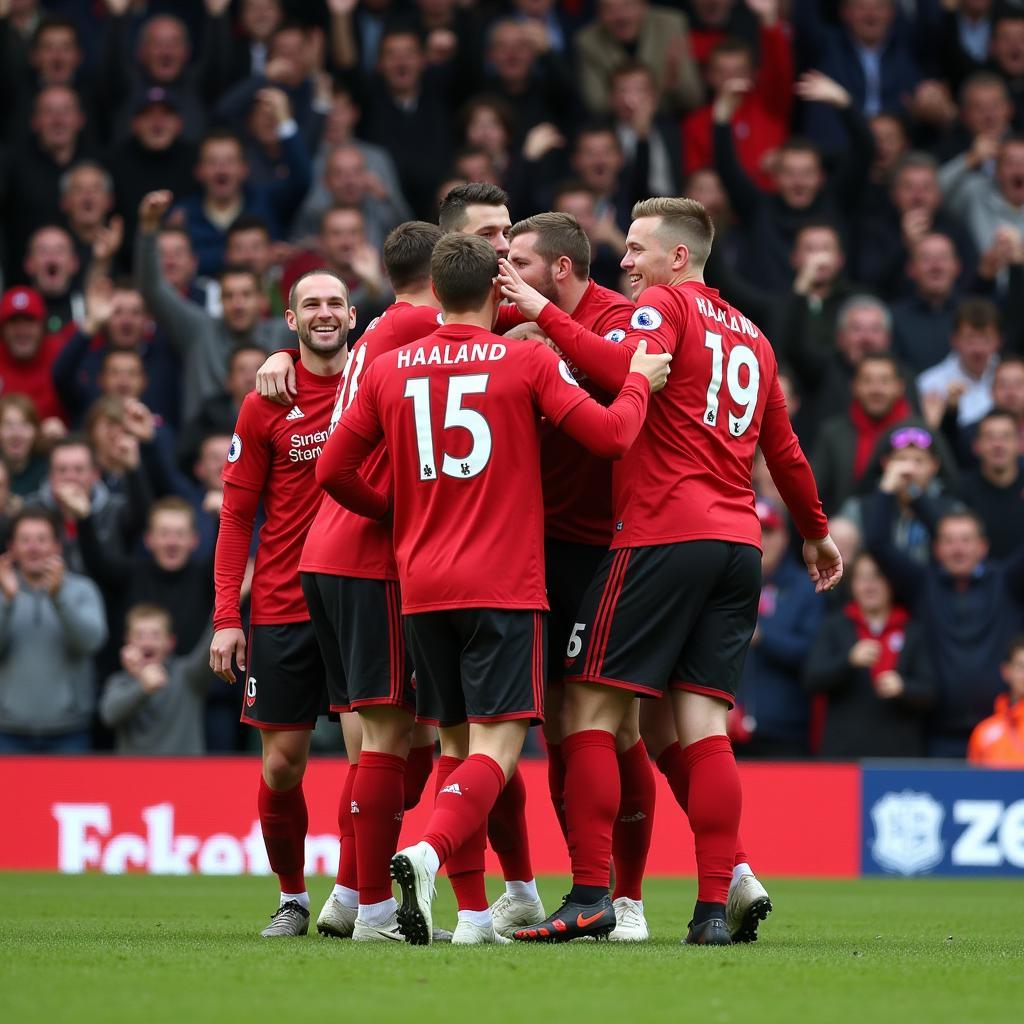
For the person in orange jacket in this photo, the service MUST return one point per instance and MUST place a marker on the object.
(998, 741)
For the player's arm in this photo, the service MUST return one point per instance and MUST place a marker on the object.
(357, 434)
(608, 432)
(792, 474)
(275, 379)
(245, 477)
(604, 363)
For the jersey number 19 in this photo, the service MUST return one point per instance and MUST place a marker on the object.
(743, 395)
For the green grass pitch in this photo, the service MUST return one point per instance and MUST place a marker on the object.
(186, 951)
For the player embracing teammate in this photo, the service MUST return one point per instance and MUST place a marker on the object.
(674, 604)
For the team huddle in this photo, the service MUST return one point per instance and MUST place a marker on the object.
(528, 520)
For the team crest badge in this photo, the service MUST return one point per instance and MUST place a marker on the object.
(908, 832)
(646, 318)
(250, 692)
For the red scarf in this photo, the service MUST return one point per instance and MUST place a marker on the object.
(870, 431)
(890, 637)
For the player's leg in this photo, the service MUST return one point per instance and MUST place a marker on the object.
(748, 902)
(499, 665)
(554, 699)
(283, 697)
(420, 762)
(337, 917)
(378, 800)
(634, 824)
(703, 690)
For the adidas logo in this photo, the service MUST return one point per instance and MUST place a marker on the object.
(295, 414)
(453, 788)
(355, 807)
(629, 818)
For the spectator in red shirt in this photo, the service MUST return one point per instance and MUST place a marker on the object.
(761, 121)
(26, 352)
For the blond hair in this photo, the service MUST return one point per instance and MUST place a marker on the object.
(683, 221)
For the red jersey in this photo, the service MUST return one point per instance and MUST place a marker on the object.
(578, 485)
(341, 543)
(273, 455)
(460, 414)
(688, 477)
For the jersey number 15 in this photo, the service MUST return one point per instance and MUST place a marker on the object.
(474, 461)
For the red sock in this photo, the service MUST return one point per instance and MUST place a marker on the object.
(284, 820)
(631, 837)
(673, 765)
(556, 784)
(591, 801)
(463, 804)
(506, 829)
(348, 862)
(418, 767)
(378, 793)
(465, 866)
(715, 803)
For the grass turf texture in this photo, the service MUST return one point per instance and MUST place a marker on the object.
(186, 950)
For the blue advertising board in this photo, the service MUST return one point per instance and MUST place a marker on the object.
(941, 821)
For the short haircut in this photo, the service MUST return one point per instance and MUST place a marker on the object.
(242, 349)
(880, 357)
(221, 135)
(238, 271)
(106, 407)
(916, 159)
(23, 404)
(86, 165)
(139, 612)
(820, 224)
(175, 229)
(962, 513)
(981, 314)
(115, 353)
(984, 80)
(172, 503)
(1016, 139)
(558, 234)
(1010, 359)
(399, 27)
(732, 46)
(571, 186)
(503, 110)
(452, 213)
(855, 302)
(463, 268)
(49, 23)
(682, 220)
(75, 440)
(632, 67)
(248, 222)
(407, 251)
(316, 272)
(36, 514)
(798, 144)
(996, 414)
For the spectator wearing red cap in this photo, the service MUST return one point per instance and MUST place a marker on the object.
(771, 703)
(27, 354)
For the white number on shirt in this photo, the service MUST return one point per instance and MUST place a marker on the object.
(744, 395)
(465, 466)
(349, 385)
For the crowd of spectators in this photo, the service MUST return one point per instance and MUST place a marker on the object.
(168, 169)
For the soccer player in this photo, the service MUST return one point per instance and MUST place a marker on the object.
(272, 457)
(460, 414)
(674, 605)
(551, 252)
(479, 209)
(351, 586)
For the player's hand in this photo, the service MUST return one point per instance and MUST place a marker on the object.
(275, 379)
(864, 653)
(889, 685)
(655, 367)
(516, 290)
(73, 499)
(225, 645)
(8, 577)
(815, 87)
(824, 564)
(152, 209)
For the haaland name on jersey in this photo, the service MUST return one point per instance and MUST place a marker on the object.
(450, 355)
(733, 322)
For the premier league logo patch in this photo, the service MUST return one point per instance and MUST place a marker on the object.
(646, 318)
(615, 336)
(235, 451)
(567, 374)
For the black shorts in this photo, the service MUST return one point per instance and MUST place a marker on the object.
(358, 625)
(674, 616)
(478, 664)
(568, 568)
(285, 687)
